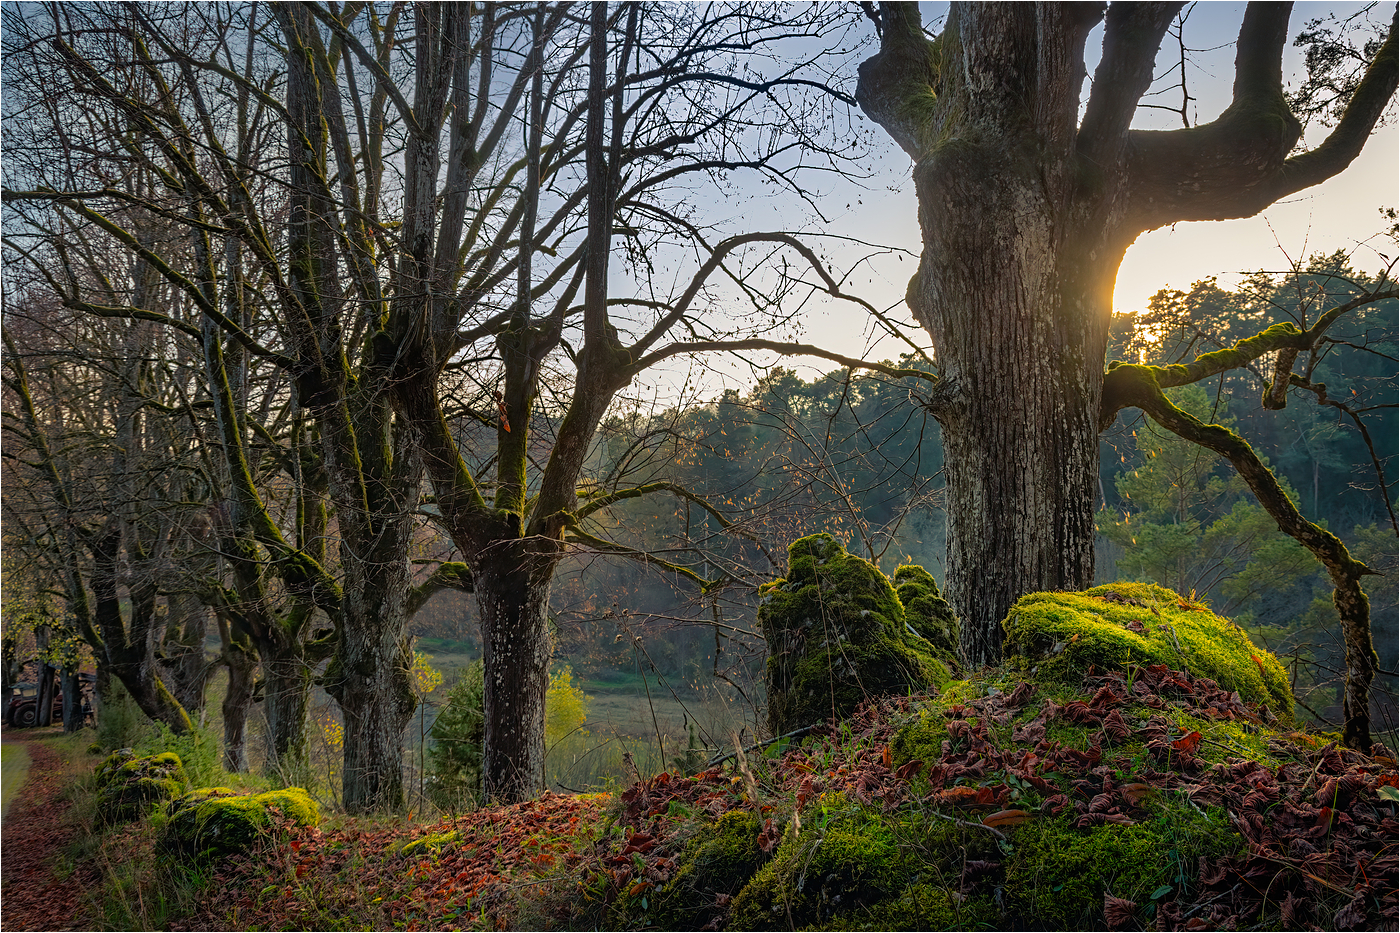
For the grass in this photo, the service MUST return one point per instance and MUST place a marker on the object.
(14, 768)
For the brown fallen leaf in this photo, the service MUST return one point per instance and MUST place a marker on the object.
(1118, 911)
(1006, 818)
(1135, 792)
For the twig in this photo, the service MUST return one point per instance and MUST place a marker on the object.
(1204, 904)
(953, 819)
(795, 733)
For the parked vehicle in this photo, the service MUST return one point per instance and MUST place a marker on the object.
(22, 710)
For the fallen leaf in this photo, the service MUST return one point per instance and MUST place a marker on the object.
(1006, 818)
(1188, 743)
(1117, 911)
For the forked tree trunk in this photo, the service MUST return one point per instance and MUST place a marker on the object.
(1026, 209)
(512, 601)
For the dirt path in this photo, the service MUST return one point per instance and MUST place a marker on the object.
(32, 895)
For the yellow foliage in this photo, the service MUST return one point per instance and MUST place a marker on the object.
(565, 706)
(425, 677)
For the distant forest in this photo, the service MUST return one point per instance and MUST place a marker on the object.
(848, 454)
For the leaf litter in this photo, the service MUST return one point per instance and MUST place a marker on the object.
(1319, 835)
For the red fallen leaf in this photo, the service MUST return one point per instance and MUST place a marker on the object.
(1117, 911)
(1188, 743)
(886, 757)
(1006, 818)
(638, 888)
(1324, 817)
(296, 845)
(1259, 664)
(1136, 626)
(986, 796)
(805, 791)
(909, 769)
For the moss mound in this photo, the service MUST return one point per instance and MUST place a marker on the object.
(127, 785)
(714, 866)
(216, 821)
(837, 634)
(855, 867)
(1060, 636)
(926, 611)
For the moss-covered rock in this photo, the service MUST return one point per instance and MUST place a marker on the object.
(837, 635)
(926, 611)
(1059, 874)
(1115, 626)
(216, 821)
(715, 865)
(128, 785)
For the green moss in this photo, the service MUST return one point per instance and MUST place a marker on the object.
(1059, 874)
(128, 785)
(719, 860)
(837, 634)
(1060, 635)
(433, 843)
(926, 611)
(858, 868)
(214, 821)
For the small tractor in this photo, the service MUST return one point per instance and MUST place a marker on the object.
(22, 710)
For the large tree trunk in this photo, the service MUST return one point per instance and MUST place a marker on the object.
(371, 672)
(1026, 210)
(513, 601)
(1020, 432)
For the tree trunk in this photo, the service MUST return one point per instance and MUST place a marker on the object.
(369, 673)
(45, 678)
(1020, 429)
(184, 661)
(513, 603)
(376, 700)
(72, 701)
(286, 685)
(238, 657)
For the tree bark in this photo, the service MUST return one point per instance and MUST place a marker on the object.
(237, 655)
(1026, 212)
(72, 701)
(512, 594)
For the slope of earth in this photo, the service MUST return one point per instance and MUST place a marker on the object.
(1146, 798)
(36, 891)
